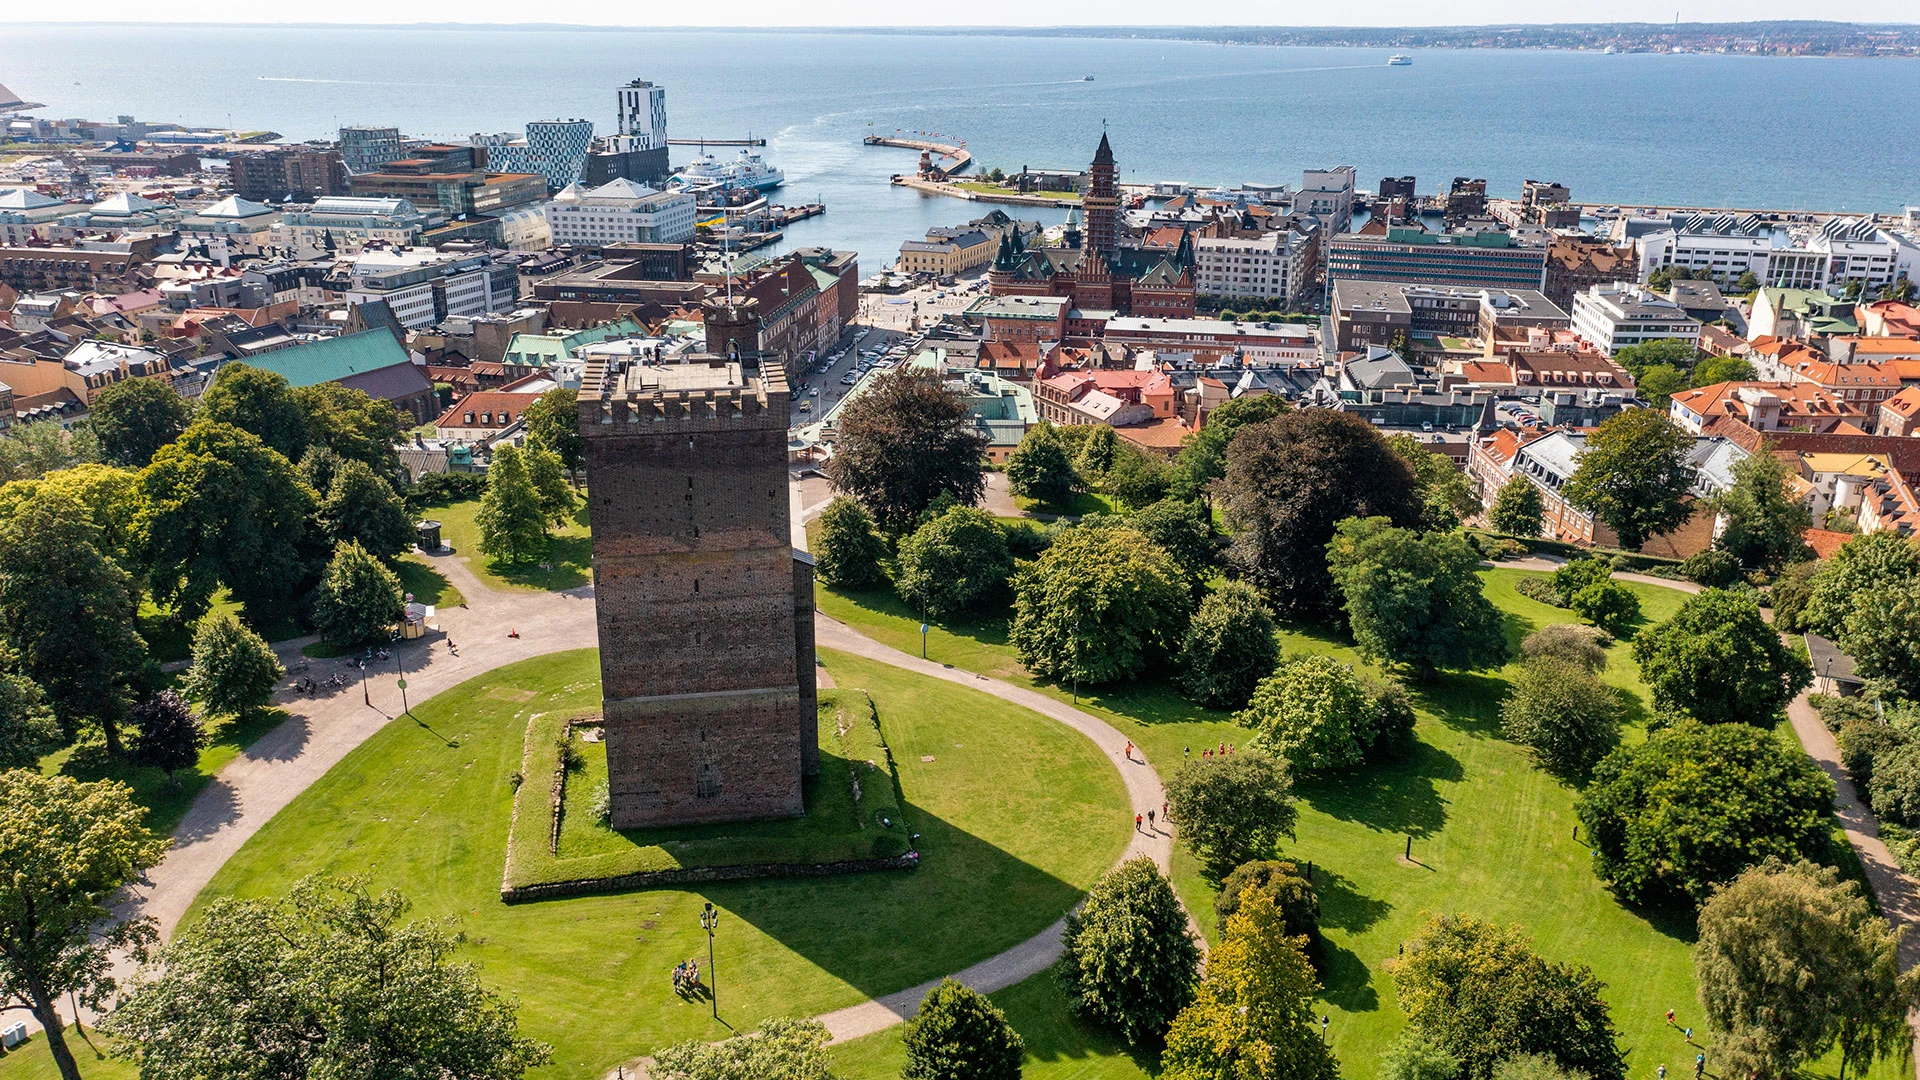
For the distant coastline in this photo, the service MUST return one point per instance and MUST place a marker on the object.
(1763, 38)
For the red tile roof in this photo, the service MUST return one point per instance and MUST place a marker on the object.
(1825, 542)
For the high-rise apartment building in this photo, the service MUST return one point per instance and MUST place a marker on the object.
(365, 149)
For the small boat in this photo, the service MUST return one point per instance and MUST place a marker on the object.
(1399, 60)
(1086, 78)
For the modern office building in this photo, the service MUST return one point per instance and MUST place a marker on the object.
(303, 172)
(619, 211)
(1484, 260)
(1612, 317)
(423, 286)
(638, 151)
(1270, 265)
(1328, 195)
(345, 225)
(554, 149)
(364, 149)
(1375, 312)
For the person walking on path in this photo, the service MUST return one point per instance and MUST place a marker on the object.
(1669, 1017)
(1149, 819)
(1136, 823)
(1129, 754)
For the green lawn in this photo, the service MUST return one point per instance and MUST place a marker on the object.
(1492, 834)
(427, 585)
(33, 1062)
(568, 565)
(1083, 503)
(1058, 1047)
(1017, 816)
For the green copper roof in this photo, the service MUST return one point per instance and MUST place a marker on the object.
(332, 359)
(545, 350)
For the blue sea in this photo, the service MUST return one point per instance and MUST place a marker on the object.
(1636, 128)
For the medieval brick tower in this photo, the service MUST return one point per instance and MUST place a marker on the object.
(705, 614)
(1101, 203)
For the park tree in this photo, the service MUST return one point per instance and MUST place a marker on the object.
(167, 735)
(1128, 961)
(234, 670)
(1694, 805)
(1674, 352)
(960, 1035)
(1229, 808)
(1659, 383)
(34, 450)
(28, 728)
(1252, 1017)
(953, 563)
(1882, 634)
(847, 552)
(110, 495)
(1561, 711)
(1446, 494)
(1416, 1056)
(1516, 509)
(783, 1049)
(1478, 991)
(1718, 369)
(1136, 478)
(1097, 453)
(355, 425)
(1289, 482)
(1606, 604)
(1229, 647)
(906, 440)
(1585, 646)
(359, 507)
(553, 423)
(317, 467)
(1285, 883)
(1718, 661)
(1040, 468)
(513, 525)
(1864, 565)
(549, 478)
(358, 600)
(1203, 456)
(1099, 605)
(1791, 961)
(221, 507)
(68, 848)
(1320, 715)
(1415, 598)
(1183, 530)
(1789, 595)
(327, 980)
(1764, 521)
(66, 613)
(260, 403)
(1534, 1067)
(134, 418)
(1633, 475)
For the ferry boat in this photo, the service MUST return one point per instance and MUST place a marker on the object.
(1086, 78)
(747, 171)
(1399, 60)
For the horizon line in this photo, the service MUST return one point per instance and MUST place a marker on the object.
(1013, 28)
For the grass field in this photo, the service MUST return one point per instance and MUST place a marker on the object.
(1016, 817)
(568, 564)
(1082, 503)
(1492, 835)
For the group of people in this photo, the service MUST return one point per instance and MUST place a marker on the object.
(686, 977)
(1225, 749)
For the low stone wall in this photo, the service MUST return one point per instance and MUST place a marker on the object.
(696, 875)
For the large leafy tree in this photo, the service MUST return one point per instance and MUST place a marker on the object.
(1285, 883)
(1516, 509)
(1695, 805)
(904, 442)
(358, 599)
(1321, 715)
(1183, 529)
(1203, 457)
(1882, 634)
(1415, 598)
(68, 848)
(354, 424)
(1229, 647)
(222, 507)
(847, 552)
(1864, 565)
(234, 670)
(134, 418)
(260, 403)
(1480, 992)
(954, 562)
(1100, 604)
(783, 1049)
(959, 1035)
(1718, 661)
(1659, 383)
(1128, 961)
(109, 494)
(28, 727)
(513, 524)
(1136, 478)
(167, 735)
(38, 449)
(548, 476)
(1561, 711)
(1289, 481)
(1633, 475)
(1446, 494)
(1718, 369)
(1230, 808)
(1040, 467)
(1792, 961)
(1097, 453)
(362, 508)
(66, 612)
(1252, 1018)
(1670, 351)
(553, 423)
(328, 980)
(1764, 522)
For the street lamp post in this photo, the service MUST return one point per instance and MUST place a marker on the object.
(401, 667)
(1076, 661)
(365, 694)
(709, 918)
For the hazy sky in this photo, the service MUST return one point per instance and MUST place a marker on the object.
(974, 12)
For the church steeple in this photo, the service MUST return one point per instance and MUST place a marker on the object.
(1104, 155)
(1183, 255)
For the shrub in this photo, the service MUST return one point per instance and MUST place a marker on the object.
(1231, 807)
(1319, 715)
(954, 562)
(1582, 645)
(1712, 568)
(1608, 605)
(1577, 574)
(1282, 880)
(959, 1035)
(1562, 712)
(600, 807)
(168, 734)
(1696, 804)
(1128, 961)
(847, 552)
(1415, 1056)
(1229, 648)
(1540, 590)
(1027, 539)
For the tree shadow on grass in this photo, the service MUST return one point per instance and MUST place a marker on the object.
(566, 565)
(1345, 979)
(1342, 906)
(1039, 1010)
(1467, 701)
(1394, 797)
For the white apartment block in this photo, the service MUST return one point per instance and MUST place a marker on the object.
(1328, 195)
(1724, 246)
(643, 116)
(425, 287)
(620, 211)
(1265, 267)
(1613, 316)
